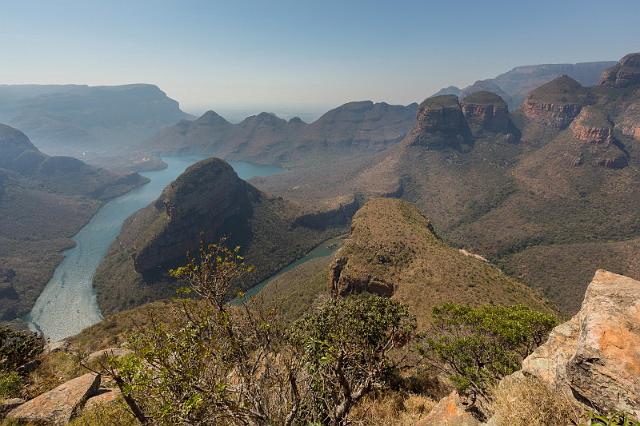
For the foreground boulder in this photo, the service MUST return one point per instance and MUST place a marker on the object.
(60, 405)
(449, 411)
(595, 357)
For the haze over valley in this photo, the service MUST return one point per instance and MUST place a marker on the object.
(420, 230)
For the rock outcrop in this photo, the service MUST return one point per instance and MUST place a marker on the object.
(449, 411)
(595, 357)
(556, 103)
(593, 126)
(60, 405)
(441, 124)
(629, 122)
(487, 112)
(624, 74)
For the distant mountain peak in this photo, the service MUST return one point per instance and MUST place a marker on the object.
(211, 117)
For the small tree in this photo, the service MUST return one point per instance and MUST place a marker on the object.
(477, 346)
(346, 347)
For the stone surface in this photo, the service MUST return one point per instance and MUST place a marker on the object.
(595, 357)
(629, 122)
(104, 353)
(449, 411)
(441, 124)
(624, 74)
(9, 404)
(592, 126)
(103, 396)
(487, 112)
(556, 103)
(60, 405)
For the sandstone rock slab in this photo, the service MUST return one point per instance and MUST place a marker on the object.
(449, 411)
(60, 405)
(595, 357)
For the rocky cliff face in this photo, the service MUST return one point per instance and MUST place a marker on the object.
(594, 358)
(487, 112)
(624, 74)
(556, 103)
(593, 126)
(441, 124)
(629, 122)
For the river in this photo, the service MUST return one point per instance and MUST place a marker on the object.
(68, 303)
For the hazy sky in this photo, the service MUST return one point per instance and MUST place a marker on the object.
(302, 54)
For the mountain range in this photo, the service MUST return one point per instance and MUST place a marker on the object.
(90, 120)
(44, 201)
(352, 129)
(546, 192)
(514, 85)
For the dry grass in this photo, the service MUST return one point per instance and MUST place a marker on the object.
(56, 368)
(527, 401)
(392, 409)
(114, 414)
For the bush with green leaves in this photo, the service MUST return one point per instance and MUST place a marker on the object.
(613, 419)
(346, 346)
(11, 384)
(477, 346)
(211, 362)
(18, 347)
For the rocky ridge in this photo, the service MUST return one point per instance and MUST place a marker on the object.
(624, 74)
(393, 251)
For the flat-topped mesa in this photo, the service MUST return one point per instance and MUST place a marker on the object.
(593, 126)
(624, 74)
(555, 103)
(487, 112)
(441, 124)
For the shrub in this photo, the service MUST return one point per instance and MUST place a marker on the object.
(18, 347)
(11, 384)
(477, 346)
(613, 419)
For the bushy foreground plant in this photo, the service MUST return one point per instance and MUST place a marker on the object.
(222, 364)
(18, 347)
(477, 346)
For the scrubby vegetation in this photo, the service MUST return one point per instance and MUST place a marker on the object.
(478, 346)
(17, 349)
(239, 365)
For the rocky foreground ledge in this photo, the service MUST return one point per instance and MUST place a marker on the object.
(593, 359)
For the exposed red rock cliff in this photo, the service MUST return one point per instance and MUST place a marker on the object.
(556, 103)
(593, 126)
(441, 124)
(487, 112)
(624, 74)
